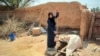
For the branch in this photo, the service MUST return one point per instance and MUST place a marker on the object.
(26, 2)
(5, 2)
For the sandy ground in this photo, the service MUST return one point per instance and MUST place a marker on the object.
(36, 46)
(24, 46)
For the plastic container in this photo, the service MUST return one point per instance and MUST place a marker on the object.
(12, 36)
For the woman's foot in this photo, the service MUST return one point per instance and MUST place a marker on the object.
(51, 51)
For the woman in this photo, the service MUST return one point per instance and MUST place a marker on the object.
(51, 31)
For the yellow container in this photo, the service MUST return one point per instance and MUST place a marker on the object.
(36, 31)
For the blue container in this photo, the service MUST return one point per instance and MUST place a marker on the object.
(12, 36)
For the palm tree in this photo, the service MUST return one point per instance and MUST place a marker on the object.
(12, 4)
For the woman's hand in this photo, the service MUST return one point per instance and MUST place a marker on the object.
(55, 32)
(56, 38)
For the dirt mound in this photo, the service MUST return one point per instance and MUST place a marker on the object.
(69, 13)
(72, 15)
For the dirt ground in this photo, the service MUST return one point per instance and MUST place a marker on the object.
(36, 46)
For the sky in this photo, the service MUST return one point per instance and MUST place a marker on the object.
(90, 3)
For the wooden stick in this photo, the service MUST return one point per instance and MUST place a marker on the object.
(61, 51)
(91, 27)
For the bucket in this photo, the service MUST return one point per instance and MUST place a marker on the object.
(12, 36)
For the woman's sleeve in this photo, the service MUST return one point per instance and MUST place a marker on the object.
(57, 15)
(51, 28)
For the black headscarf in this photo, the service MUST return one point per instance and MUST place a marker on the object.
(50, 13)
(51, 19)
